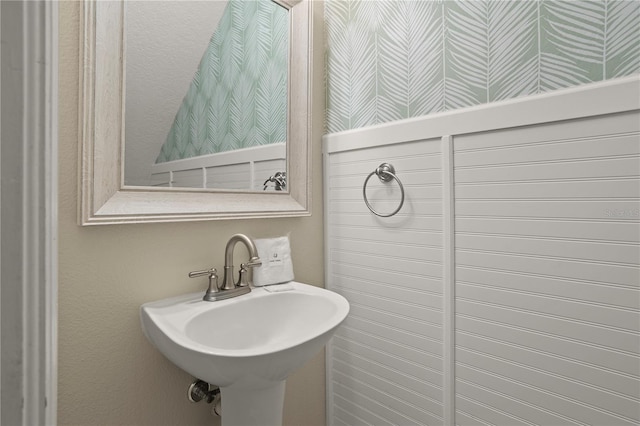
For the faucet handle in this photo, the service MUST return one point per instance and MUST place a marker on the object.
(252, 263)
(211, 271)
(243, 280)
(213, 280)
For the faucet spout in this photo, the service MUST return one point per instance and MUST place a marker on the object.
(227, 281)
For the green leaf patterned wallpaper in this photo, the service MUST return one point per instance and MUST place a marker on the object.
(395, 59)
(238, 97)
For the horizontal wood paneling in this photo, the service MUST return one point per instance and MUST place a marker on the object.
(234, 176)
(387, 357)
(226, 170)
(403, 367)
(552, 402)
(603, 317)
(590, 230)
(547, 341)
(416, 399)
(546, 257)
(622, 275)
(412, 272)
(552, 150)
(594, 168)
(560, 289)
(410, 309)
(364, 402)
(548, 273)
(599, 377)
(599, 126)
(351, 361)
(569, 189)
(187, 179)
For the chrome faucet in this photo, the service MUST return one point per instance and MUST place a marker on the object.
(229, 289)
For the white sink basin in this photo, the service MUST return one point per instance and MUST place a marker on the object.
(247, 345)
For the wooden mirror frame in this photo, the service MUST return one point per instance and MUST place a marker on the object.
(104, 199)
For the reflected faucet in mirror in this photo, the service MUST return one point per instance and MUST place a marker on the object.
(279, 180)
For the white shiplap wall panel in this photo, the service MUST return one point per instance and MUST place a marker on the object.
(345, 361)
(489, 415)
(187, 178)
(593, 375)
(411, 209)
(401, 285)
(551, 190)
(547, 272)
(591, 230)
(549, 286)
(507, 289)
(601, 168)
(390, 269)
(232, 176)
(611, 252)
(555, 345)
(588, 331)
(623, 275)
(549, 133)
(401, 269)
(387, 364)
(615, 317)
(429, 315)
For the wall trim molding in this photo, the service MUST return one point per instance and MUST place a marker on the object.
(30, 210)
(615, 95)
(448, 282)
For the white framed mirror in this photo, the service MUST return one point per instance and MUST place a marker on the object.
(105, 198)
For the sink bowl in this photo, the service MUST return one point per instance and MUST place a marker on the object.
(247, 345)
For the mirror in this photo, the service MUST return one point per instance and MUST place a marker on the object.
(206, 93)
(106, 199)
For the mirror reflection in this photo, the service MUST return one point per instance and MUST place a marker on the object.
(216, 119)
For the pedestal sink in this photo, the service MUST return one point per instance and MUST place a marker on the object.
(247, 345)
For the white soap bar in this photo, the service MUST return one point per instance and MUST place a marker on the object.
(276, 268)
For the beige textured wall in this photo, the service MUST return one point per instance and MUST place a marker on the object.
(108, 373)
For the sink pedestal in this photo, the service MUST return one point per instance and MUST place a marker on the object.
(253, 407)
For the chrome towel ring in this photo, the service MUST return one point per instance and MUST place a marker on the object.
(385, 172)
